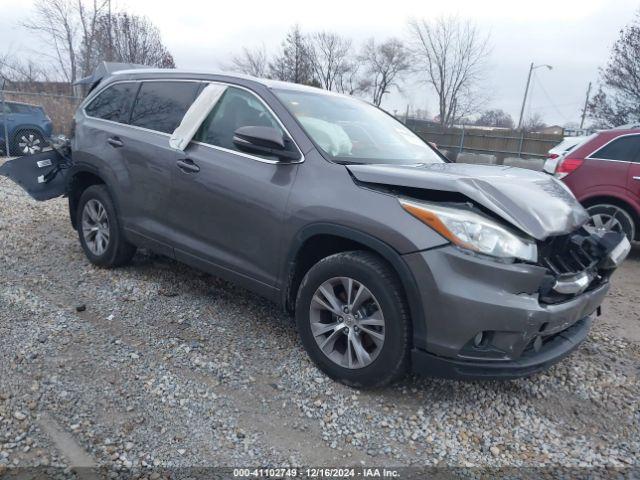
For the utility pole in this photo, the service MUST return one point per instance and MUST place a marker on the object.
(524, 100)
(586, 104)
(526, 90)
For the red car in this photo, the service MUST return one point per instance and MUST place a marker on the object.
(603, 172)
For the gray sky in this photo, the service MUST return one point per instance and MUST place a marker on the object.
(572, 35)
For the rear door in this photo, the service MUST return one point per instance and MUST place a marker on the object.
(150, 161)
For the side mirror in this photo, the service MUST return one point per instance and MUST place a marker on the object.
(265, 141)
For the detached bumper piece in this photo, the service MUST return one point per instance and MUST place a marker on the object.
(43, 175)
(535, 358)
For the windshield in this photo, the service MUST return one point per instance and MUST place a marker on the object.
(352, 131)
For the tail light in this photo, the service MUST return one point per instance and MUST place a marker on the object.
(567, 166)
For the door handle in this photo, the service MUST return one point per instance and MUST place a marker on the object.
(636, 178)
(115, 142)
(187, 166)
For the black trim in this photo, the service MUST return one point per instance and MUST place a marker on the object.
(383, 249)
(562, 345)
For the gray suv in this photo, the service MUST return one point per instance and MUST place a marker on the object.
(390, 257)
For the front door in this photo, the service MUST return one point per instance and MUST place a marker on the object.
(227, 206)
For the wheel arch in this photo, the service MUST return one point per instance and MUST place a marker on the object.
(318, 241)
(81, 179)
(27, 126)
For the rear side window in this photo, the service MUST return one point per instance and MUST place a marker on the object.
(18, 108)
(624, 148)
(160, 106)
(114, 103)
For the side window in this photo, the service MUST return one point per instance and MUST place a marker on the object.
(624, 148)
(18, 108)
(114, 103)
(160, 106)
(237, 108)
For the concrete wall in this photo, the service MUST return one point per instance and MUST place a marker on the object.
(530, 163)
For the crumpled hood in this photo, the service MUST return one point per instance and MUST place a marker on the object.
(534, 202)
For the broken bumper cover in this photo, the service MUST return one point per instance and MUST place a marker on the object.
(484, 319)
(529, 363)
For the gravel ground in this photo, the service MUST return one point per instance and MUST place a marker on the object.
(158, 364)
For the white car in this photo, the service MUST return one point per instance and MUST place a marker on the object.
(560, 150)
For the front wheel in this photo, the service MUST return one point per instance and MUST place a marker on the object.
(353, 319)
(611, 217)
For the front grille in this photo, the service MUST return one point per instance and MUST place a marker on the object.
(567, 255)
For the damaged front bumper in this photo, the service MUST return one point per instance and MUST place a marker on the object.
(486, 319)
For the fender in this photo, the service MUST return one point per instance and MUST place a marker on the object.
(383, 249)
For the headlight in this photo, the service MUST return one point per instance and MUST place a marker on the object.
(472, 231)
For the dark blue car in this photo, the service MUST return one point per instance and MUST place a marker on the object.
(28, 128)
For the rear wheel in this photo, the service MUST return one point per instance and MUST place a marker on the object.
(99, 229)
(611, 217)
(27, 142)
(353, 320)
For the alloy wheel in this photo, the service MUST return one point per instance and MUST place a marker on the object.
(606, 220)
(347, 322)
(29, 143)
(95, 227)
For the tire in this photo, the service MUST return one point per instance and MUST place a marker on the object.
(388, 359)
(27, 142)
(612, 217)
(96, 219)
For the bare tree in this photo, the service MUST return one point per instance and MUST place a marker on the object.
(495, 118)
(450, 56)
(26, 72)
(69, 26)
(617, 101)
(131, 39)
(384, 64)
(330, 59)
(82, 33)
(348, 80)
(534, 123)
(293, 64)
(254, 62)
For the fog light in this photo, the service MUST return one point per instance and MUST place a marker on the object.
(477, 340)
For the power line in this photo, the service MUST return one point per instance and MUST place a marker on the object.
(551, 102)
